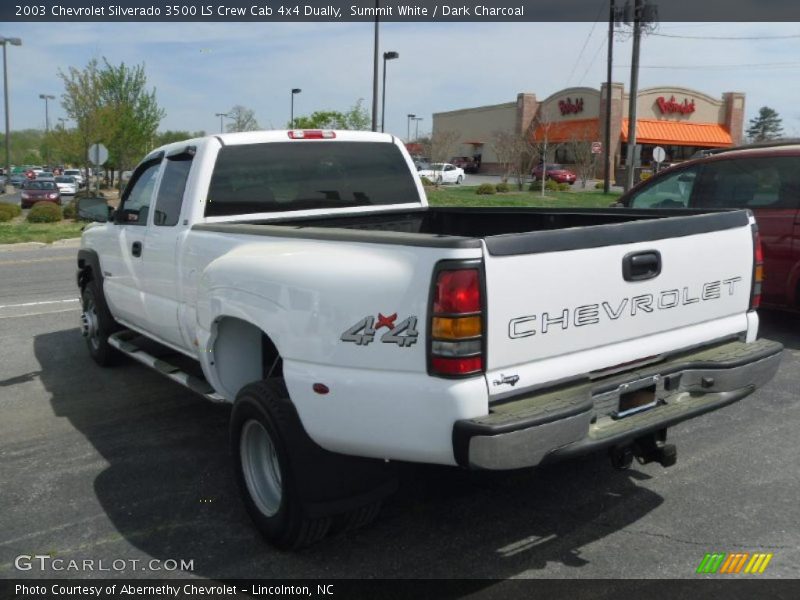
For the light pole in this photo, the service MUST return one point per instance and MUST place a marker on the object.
(409, 116)
(416, 127)
(375, 69)
(47, 97)
(14, 42)
(386, 56)
(221, 116)
(291, 114)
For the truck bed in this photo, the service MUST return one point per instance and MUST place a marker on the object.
(505, 231)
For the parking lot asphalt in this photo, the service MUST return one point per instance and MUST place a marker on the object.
(121, 464)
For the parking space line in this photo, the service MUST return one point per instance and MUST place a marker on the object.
(35, 260)
(2, 306)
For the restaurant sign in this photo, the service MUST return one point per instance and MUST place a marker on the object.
(672, 106)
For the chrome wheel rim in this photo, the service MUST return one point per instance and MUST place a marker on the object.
(90, 327)
(260, 466)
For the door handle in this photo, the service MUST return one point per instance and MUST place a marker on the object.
(136, 248)
(640, 266)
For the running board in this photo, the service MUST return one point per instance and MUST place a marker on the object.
(124, 341)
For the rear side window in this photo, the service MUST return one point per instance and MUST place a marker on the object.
(171, 188)
(768, 182)
(670, 191)
(302, 175)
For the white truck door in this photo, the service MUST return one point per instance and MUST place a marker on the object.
(124, 269)
(161, 262)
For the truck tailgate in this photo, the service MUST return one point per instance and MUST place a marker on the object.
(568, 302)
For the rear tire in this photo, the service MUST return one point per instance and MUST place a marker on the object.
(459, 180)
(260, 438)
(97, 325)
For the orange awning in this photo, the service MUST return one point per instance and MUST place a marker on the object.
(671, 133)
(585, 130)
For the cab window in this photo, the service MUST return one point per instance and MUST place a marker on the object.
(135, 203)
(767, 182)
(670, 191)
(171, 189)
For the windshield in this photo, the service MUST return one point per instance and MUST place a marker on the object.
(41, 185)
(437, 166)
(283, 176)
(72, 172)
(65, 180)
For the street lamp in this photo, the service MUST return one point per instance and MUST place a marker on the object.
(291, 113)
(47, 97)
(416, 127)
(14, 42)
(386, 56)
(221, 116)
(408, 126)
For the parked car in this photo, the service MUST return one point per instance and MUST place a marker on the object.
(469, 164)
(45, 175)
(443, 173)
(352, 325)
(555, 172)
(764, 180)
(77, 175)
(17, 179)
(67, 186)
(36, 190)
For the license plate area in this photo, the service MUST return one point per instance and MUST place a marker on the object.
(635, 401)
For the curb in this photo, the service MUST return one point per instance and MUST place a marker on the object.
(67, 243)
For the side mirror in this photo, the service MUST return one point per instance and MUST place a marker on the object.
(94, 209)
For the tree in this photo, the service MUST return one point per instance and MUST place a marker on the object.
(439, 147)
(169, 136)
(580, 147)
(81, 102)
(766, 126)
(129, 112)
(357, 118)
(242, 119)
(517, 153)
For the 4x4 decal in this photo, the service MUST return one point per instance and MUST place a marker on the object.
(404, 334)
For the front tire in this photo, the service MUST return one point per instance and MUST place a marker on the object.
(260, 437)
(97, 325)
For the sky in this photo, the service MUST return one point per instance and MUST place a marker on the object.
(199, 69)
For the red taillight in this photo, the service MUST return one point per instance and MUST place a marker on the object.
(457, 366)
(311, 134)
(457, 292)
(455, 335)
(758, 270)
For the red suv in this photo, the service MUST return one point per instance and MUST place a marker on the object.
(765, 180)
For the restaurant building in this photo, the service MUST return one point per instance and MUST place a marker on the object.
(680, 120)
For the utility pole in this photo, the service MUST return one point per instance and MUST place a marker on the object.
(408, 126)
(607, 135)
(643, 15)
(47, 97)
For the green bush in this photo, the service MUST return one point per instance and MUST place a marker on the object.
(5, 213)
(551, 186)
(13, 208)
(45, 212)
(599, 185)
(485, 189)
(503, 188)
(426, 182)
(71, 210)
(564, 187)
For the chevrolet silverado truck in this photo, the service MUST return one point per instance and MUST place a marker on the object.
(302, 277)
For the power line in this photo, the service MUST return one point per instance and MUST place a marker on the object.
(726, 38)
(783, 65)
(586, 42)
(603, 42)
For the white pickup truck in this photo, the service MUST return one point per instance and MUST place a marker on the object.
(302, 277)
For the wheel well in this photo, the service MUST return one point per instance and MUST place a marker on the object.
(243, 353)
(85, 274)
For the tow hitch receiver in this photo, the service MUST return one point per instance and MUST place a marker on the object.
(646, 449)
